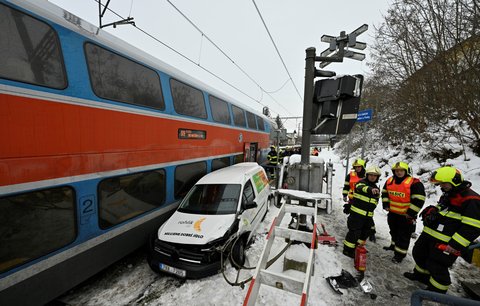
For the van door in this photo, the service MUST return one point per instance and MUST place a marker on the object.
(248, 215)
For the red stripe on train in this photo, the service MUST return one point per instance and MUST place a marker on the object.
(44, 140)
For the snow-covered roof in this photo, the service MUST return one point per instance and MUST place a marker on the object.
(236, 174)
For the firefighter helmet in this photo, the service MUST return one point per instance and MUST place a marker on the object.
(402, 166)
(359, 163)
(373, 170)
(447, 175)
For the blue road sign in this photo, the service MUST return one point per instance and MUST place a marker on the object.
(364, 115)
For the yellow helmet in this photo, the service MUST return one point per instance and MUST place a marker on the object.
(373, 170)
(359, 163)
(447, 175)
(401, 165)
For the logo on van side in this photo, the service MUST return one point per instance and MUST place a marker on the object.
(196, 225)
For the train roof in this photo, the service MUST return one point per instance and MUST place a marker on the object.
(52, 12)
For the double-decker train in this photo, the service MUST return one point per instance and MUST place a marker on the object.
(98, 143)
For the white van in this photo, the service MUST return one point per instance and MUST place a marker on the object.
(228, 202)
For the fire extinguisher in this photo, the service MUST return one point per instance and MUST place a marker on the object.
(360, 258)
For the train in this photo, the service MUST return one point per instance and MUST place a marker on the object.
(99, 143)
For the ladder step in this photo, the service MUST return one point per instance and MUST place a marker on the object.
(302, 210)
(281, 281)
(303, 195)
(293, 234)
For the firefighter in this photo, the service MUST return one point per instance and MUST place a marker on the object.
(272, 158)
(360, 220)
(356, 174)
(449, 228)
(403, 196)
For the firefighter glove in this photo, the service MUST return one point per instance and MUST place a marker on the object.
(346, 208)
(429, 213)
(410, 219)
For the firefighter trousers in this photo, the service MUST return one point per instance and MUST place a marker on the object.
(359, 229)
(401, 232)
(432, 261)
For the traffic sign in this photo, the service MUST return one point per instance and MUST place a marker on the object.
(364, 115)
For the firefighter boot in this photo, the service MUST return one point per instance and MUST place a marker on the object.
(349, 252)
(415, 276)
(391, 247)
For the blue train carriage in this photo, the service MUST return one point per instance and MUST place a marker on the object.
(100, 142)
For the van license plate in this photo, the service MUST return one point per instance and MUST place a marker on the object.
(167, 268)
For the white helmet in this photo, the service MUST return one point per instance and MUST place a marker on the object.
(373, 170)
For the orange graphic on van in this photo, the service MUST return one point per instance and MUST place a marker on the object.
(196, 225)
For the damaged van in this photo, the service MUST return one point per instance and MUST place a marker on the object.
(224, 206)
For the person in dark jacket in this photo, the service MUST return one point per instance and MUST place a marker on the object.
(360, 220)
(403, 196)
(272, 158)
(356, 174)
(449, 228)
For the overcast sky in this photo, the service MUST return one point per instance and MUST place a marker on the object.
(236, 27)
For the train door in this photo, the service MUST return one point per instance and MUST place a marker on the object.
(250, 151)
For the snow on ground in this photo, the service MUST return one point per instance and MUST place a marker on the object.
(131, 282)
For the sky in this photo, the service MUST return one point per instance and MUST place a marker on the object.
(237, 29)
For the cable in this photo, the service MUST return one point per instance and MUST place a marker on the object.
(187, 58)
(229, 58)
(278, 52)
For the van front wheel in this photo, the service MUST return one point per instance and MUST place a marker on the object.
(238, 253)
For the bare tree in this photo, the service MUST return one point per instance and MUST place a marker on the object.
(426, 64)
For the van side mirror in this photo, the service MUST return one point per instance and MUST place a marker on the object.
(250, 205)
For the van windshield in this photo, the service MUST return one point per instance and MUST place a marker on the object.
(212, 199)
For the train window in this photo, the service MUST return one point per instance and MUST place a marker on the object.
(124, 197)
(219, 109)
(220, 163)
(117, 78)
(34, 224)
(260, 123)
(187, 100)
(238, 159)
(238, 116)
(186, 176)
(30, 50)
(252, 123)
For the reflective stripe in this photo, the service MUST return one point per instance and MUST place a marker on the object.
(421, 270)
(451, 214)
(471, 221)
(385, 200)
(362, 242)
(365, 199)
(437, 284)
(399, 250)
(414, 208)
(346, 183)
(399, 204)
(398, 207)
(418, 196)
(436, 234)
(349, 244)
(345, 192)
(361, 211)
(458, 238)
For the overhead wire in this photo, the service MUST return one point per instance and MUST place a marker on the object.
(227, 56)
(185, 57)
(278, 52)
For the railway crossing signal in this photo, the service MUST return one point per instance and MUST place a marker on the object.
(331, 106)
(336, 51)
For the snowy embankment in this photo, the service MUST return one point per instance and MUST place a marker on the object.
(131, 282)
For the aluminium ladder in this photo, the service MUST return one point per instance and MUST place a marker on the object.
(279, 280)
